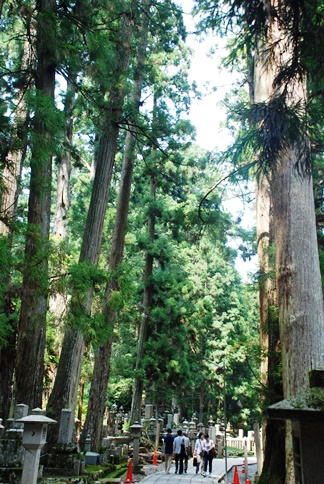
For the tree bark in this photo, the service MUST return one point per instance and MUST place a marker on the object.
(32, 321)
(273, 431)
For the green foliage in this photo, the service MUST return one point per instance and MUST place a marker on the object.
(7, 317)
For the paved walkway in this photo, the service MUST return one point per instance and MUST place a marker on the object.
(191, 477)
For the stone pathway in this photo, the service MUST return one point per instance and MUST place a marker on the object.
(156, 474)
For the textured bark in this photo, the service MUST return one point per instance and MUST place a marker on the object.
(32, 322)
(298, 275)
(101, 371)
(69, 367)
(273, 431)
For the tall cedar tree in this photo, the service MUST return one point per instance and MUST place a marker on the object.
(283, 153)
(65, 390)
(101, 370)
(14, 157)
(32, 321)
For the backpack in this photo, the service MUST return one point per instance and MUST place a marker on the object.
(183, 448)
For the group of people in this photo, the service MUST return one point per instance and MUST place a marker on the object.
(179, 447)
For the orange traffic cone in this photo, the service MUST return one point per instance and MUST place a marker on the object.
(129, 477)
(155, 458)
(247, 481)
(236, 476)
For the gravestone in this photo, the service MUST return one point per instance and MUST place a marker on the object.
(66, 429)
(21, 411)
(148, 411)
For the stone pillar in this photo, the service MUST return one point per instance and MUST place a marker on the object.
(136, 431)
(148, 411)
(176, 418)
(250, 438)
(21, 411)
(258, 451)
(212, 433)
(66, 427)
(170, 420)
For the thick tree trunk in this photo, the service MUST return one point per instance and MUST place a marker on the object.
(69, 367)
(101, 371)
(273, 431)
(298, 281)
(298, 275)
(32, 322)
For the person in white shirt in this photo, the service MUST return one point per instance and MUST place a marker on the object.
(208, 455)
(200, 449)
(179, 451)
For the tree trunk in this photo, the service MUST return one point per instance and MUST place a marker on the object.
(58, 301)
(10, 181)
(273, 431)
(101, 371)
(69, 367)
(32, 322)
(298, 281)
(147, 304)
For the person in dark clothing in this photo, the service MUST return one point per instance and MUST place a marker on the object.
(168, 450)
(187, 451)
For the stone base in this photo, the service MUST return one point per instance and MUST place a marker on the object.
(64, 464)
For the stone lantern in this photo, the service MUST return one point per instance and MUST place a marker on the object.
(192, 426)
(136, 431)
(34, 439)
(200, 427)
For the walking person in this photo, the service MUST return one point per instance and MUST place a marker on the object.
(186, 442)
(200, 449)
(168, 450)
(179, 451)
(208, 455)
